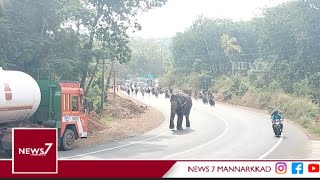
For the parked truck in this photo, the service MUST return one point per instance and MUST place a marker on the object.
(26, 102)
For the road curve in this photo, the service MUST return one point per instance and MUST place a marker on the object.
(221, 132)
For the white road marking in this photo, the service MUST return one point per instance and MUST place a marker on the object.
(269, 121)
(273, 148)
(206, 144)
(116, 147)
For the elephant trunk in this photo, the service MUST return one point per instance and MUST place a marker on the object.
(173, 113)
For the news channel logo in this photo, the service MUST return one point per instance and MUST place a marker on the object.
(297, 168)
(281, 168)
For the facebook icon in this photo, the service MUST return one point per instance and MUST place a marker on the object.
(297, 168)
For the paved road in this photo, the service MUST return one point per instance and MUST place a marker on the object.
(221, 132)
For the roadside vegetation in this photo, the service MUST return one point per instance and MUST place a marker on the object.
(271, 61)
(78, 40)
(241, 91)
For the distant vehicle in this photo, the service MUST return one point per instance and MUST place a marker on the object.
(141, 84)
(150, 82)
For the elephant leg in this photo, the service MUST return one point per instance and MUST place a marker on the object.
(171, 126)
(187, 120)
(179, 123)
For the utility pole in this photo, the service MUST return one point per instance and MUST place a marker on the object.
(103, 86)
(205, 82)
(114, 81)
(161, 58)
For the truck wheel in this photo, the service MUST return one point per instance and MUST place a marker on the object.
(68, 140)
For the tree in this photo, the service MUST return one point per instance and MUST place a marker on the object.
(34, 38)
(109, 23)
(65, 36)
(230, 46)
(285, 38)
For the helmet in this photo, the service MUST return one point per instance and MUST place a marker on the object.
(276, 111)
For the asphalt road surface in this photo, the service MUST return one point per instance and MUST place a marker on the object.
(217, 133)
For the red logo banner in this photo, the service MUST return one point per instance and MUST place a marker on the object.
(35, 151)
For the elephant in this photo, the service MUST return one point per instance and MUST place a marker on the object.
(181, 104)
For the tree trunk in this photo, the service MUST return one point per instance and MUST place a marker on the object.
(43, 29)
(91, 78)
(208, 50)
(231, 63)
(114, 81)
(109, 75)
(86, 57)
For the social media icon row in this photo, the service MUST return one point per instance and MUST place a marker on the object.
(296, 168)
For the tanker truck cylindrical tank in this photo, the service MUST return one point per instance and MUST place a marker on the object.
(19, 96)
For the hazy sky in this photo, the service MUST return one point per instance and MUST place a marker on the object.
(177, 15)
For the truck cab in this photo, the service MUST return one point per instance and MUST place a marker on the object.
(62, 107)
(74, 121)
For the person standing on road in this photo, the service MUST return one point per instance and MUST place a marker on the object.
(142, 92)
(135, 92)
(148, 91)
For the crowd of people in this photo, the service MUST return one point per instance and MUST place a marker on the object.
(206, 96)
(133, 89)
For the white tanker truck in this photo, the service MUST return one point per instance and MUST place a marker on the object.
(25, 102)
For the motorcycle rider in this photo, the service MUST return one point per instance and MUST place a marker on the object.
(276, 115)
(211, 99)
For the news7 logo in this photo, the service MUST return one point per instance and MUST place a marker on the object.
(36, 145)
(36, 151)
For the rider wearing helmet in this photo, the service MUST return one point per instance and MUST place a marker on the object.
(276, 115)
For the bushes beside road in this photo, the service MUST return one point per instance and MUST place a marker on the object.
(240, 90)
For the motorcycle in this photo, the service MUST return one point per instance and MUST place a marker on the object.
(204, 100)
(212, 102)
(277, 127)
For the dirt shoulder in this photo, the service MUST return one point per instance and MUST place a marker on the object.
(123, 117)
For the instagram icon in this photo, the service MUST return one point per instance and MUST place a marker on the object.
(281, 168)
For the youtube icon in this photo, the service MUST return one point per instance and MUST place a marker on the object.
(314, 168)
